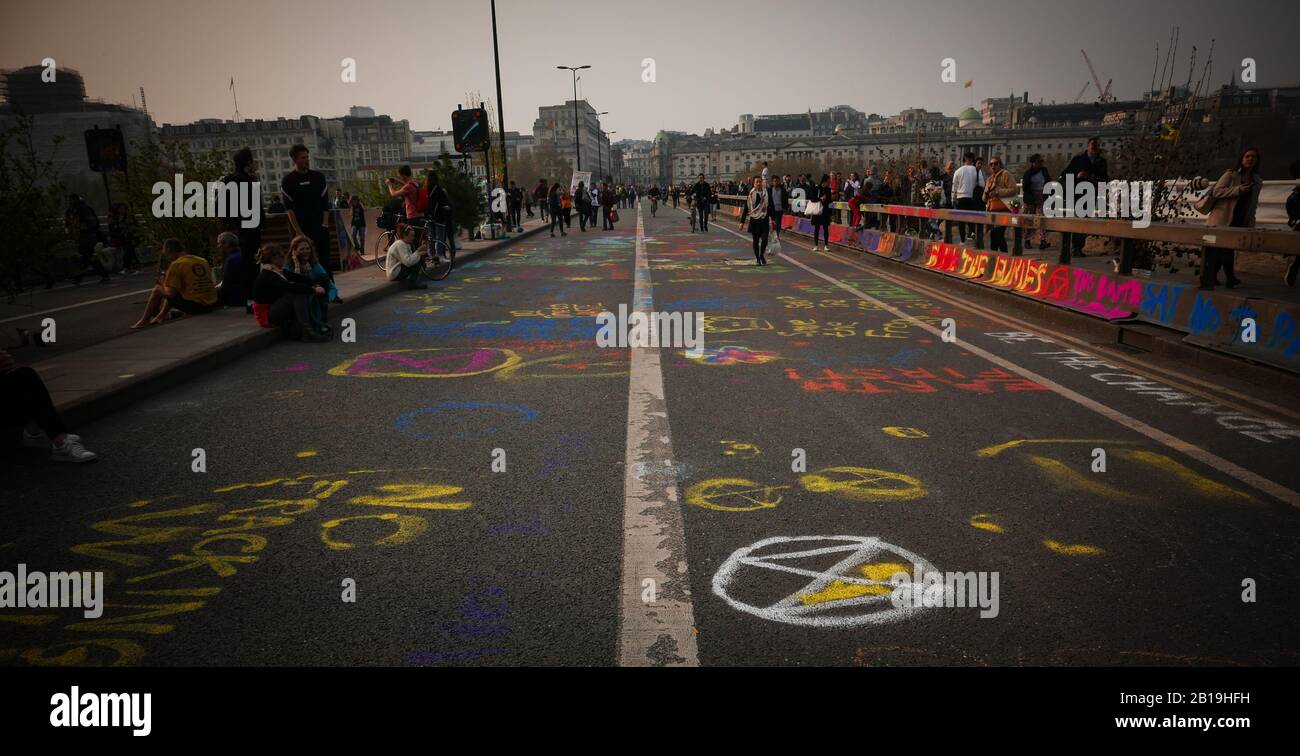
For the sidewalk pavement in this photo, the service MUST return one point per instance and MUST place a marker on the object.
(92, 382)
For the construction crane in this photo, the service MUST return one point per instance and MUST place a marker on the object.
(1106, 96)
(1081, 91)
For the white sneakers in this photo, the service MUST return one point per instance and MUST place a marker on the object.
(70, 451)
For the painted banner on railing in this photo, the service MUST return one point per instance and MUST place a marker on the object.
(1263, 330)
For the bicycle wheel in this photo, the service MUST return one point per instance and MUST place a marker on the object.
(382, 243)
(437, 266)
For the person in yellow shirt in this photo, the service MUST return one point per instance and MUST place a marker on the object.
(186, 287)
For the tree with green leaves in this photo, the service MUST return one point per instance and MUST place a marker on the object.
(32, 233)
(153, 162)
(467, 197)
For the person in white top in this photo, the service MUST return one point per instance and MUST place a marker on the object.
(964, 183)
(403, 261)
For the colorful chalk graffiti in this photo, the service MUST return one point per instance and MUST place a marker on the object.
(856, 484)
(435, 362)
(167, 559)
(1210, 319)
(731, 354)
(910, 380)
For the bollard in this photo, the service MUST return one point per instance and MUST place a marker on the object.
(1018, 248)
(1128, 248)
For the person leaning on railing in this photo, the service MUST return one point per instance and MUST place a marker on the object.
(1232, 201)
(1034, 183)
(997, 190)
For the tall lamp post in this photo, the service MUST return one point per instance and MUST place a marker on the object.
(610, 142)
(501, 123)
(577, 146)
(599, 163)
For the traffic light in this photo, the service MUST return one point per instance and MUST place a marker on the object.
(105, 150)
(469, 129)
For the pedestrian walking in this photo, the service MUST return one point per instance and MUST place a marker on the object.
(822, 219)
(554, 205)
(755, 212)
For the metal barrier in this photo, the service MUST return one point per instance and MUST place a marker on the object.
(1270, 241)
(1263, 330)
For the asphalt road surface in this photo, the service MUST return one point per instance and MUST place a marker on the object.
(494, 488)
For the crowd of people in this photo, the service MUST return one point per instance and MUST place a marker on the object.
(978, 185)
(288, 290)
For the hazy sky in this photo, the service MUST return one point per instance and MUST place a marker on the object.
(714, 59)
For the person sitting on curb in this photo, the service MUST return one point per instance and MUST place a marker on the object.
(186, 287)
(404, 261)
(283, 298)
(25, 401)
(230, 292)
(302, 260)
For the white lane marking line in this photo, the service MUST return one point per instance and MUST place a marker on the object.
(75, 306)
(1231, 469)
(1207, 390)
(659, 632)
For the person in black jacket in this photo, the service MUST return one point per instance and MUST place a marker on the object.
(287, 293)
(1086, 167)
(703, 196)
(439, 211)
(1033, 184)
(823, 220)
(582, 202)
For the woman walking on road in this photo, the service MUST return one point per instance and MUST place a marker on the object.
(553, 204)
(823, 219)
(583, 200)
(756, 210)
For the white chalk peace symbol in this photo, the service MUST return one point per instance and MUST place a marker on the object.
(853, 592)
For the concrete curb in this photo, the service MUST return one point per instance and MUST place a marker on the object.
(104, 402)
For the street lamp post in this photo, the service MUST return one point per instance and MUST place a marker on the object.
(577, 145)
(599, 163)
(501, 124)
(610, 142)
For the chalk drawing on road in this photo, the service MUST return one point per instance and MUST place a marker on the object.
(835, 581)
(436, 362)
(734, 495)
(739, 449)
(863, 484)
(898, 431)
(607, 364)
(731, 354)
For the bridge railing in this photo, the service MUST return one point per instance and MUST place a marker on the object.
(1256, 240)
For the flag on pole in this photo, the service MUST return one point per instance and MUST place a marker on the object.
(968, 84)
(232, 82)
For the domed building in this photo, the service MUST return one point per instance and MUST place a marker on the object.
(969, 117)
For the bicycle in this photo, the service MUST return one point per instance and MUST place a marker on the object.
(435, 266)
